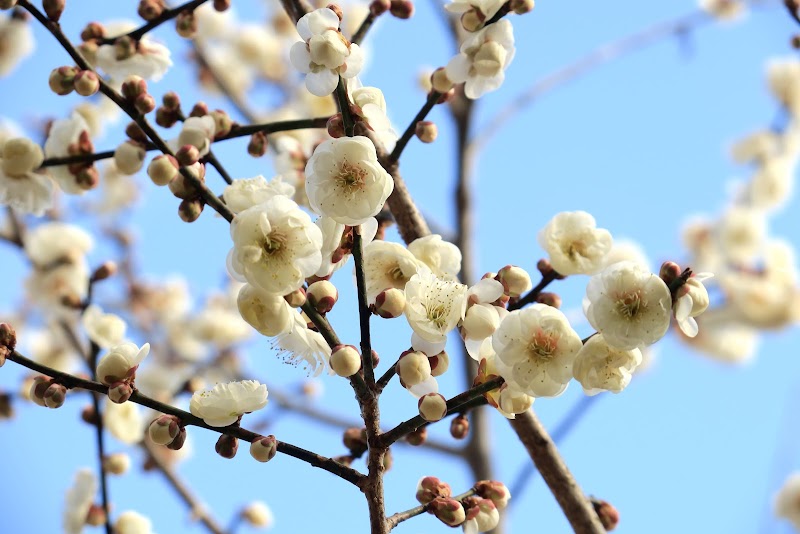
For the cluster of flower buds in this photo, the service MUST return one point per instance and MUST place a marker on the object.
(48, 392)
(168, 430)
(169, 112)
(480, 507)
(134, 90)
(355, 439)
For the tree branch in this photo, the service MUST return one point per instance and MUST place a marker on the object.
(433, 98)
(167, 15)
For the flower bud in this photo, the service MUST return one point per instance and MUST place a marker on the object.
(520, 7)
(150, 9)
(335, 126)
(89, 415)
(38, 387)
(86, 83)
(417, 437)
(430, 488)
(96, 516)
(669, 271)
(448, 511)
(200, 109)
(186, 24)
(171, 101)
(222, 5)
(495, 491)
(439, 363)
(93, 30)
(87, 178)
(187, 155)
(190, 209)
(129, 157)
(177, 443)
(345, 360)
(62, 80)
(483, 511)
(135, 132)
(480, 321)
(379, 7)
(355, 439)
(264, 449)
(402, 9)
(472, 20)
(258, 515)
(162, 169)
(440, 82)
(6, 408)
(124, 48)
(609, 516)
(222, 123)
(54, 8)
(164, 429)
(7, 4)
(296, 298)
(515, 280)
(390, 303)
(459, 427)
(8, 339)
(144, 103)
(549, 299)
(133, 86)
(426, 131)
(120, 392)
(322, 295)
(413, 368)
(432, 407)
(227, 446)
(257, 146)
(166, 118)
(117, 464)
(54, 396)
(19, 156)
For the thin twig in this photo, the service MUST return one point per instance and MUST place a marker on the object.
(364, 314)
(533, 294)
(166, 15)
(395, 519)
(433, 98)
(214, 162)
(343, 102)
(362, 30)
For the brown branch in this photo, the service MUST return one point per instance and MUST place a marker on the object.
(433, 98)
(167, 15)
(362, 30)
(533, 294)
(545, 455)
(364, 314)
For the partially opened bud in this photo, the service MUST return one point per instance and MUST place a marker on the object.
(264, 449)
(86, 83)
(390, 303)
(448, 511)
(322, 295)
(129, 157)
(120, 392)
(413, 368)
(227, 446)
(439, 363)
(483, 512)
(164, 429)
(515, 280)
(162, 169)
(495, 491)
(430, 488)
(432, 407)
(345, 360)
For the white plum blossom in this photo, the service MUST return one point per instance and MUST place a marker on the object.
(387, 265)
(345, 181)
(574, 243)
(483, 58)
(248, 192)
(105, 329)
(120, 363)
(79, 498)
(268, 313)
(149, 60)
(64, 133)
(20, 187)
(124, 421)
(601, 367)
(373, 109)
(786, 502)
(220, 323)
(225, 403)
(300, 344)
(441, 257)
(332, 234)
(538, 346)
(275, 246)
(433, 306)
(692, 303)
(49, 287)
(130, 522)
(324, 54)
(118, 190)
(16, 42)
(56, 241)
(629, 305)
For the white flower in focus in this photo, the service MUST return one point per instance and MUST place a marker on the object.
(16, 42)
(434, 307)
(20, 187)
(196, 131)
(692, 303)
(131, 522)
(345, 182)
(786, 502)
(150, 61)
(600, 367)
(741, 233)
(64, 133)
(487, 8)
(247, 192)
(268, 313)
(120, 363)
(223, 405)
(79, 498)
(783, 76)
(387, 265)
(275, 246)
(723, 9)
(574, 243)
(441, 257)
(538, 346)
(483, 59)
(105, 329)
(300, 344)
(324, 54)
(629, 305)
(124, 421)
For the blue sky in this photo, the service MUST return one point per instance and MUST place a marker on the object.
(640, 143)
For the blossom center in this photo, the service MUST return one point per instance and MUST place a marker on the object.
(351, 177)
(629, 305)
(488, 60)
(275, 243)
(542, 346)
(437, 314)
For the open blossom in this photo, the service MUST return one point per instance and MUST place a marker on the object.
(538, 346)
(105, 329)
(483, 59)
(20, 187)
(434, 307)
(16, 42)
(268, 313)
(441, 257)
(62, 137)
(247, 192)
(324, 54)
(628, 305)
(225, 403)
(79, 499)
(574, 243)
(692, 303)
(786, 502)
(131, 522)
(149, 60)
(300, 344)
(388, 265)
(275, 246)
(600, 367)
(120, 363)
(345, 181)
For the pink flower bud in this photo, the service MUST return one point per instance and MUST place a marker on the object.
(164, 429)
(227, 446)
(96, 516)
(417, 437)
(459, 427)
(550, 299)
(135, 132)
(62, 80)
(54, 8)
(133, 86)
(379, 7)
(322, 295)
(335, 126)
(222, 5)
(144, 103)
(120, 392)
(448, 511)
(264, 449)
(609, 516)
(93, 30)
(86, 83)
(495, 491)
(336, 9)
(345, 360)
(430, 488)
(55, 395)
(199, 110)
(187, 155)
(669, 271)
(151, 9)
(177, 443)
(257, 146)
(402, 9)
(171, 101)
